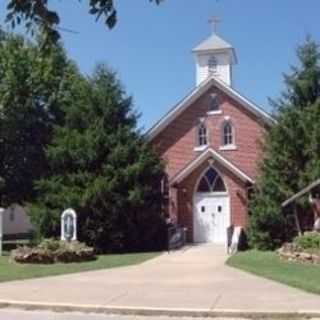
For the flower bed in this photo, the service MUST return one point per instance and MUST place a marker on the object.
(304, 249)
(54, 251)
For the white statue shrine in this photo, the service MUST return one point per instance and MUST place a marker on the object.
(69, 225)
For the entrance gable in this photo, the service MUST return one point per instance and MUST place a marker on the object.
(205, 156)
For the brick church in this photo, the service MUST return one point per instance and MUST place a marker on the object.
(210, 144)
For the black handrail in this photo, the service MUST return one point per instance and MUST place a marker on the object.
(176, 237)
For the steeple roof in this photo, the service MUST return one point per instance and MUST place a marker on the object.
(215, 43)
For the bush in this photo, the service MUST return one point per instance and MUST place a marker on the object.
(309, 240)
(51, 244)
(32, 255)
(54, 251)
(267, 226)
(73, 252)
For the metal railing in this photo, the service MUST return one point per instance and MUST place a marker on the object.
(176, 237)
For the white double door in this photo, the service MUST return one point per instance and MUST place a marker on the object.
(211, 218)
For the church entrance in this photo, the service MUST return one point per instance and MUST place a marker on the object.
(211, 209)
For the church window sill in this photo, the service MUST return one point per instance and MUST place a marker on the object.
(212, 113)
(228, 148)
(200, 148)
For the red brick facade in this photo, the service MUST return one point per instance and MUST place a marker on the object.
(176, 144)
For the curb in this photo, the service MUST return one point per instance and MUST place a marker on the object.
(170, 312)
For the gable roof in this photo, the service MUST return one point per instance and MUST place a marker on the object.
(215, 43)
(196, 93)
(207, 154)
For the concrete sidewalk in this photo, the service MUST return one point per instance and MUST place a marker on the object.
(195, 278)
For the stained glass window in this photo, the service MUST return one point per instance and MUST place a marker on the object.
(211, 182)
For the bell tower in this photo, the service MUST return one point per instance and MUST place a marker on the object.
(214, 57)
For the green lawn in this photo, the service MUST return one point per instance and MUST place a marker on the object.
(268, 265)
(12, 271)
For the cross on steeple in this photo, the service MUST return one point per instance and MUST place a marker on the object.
(214, 21)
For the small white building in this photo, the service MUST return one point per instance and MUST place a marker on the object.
(16, 221)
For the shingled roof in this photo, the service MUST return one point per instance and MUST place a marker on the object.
(215, 43)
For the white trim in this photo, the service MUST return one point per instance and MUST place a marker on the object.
(214, 194)
(216, 156)
(229, 147)
(200, 148)
(178, 109)
(196, 186)
(211, 113)
(196, 93)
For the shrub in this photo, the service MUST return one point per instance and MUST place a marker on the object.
(50, 244)
(54, 251)
(267, 225)
(73, 252)
(32, 255)
(309, 240)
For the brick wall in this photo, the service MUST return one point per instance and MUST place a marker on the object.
(176, 145)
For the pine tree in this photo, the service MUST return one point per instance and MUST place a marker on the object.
(291, 151)
(101, 166)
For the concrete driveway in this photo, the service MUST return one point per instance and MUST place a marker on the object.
(194, 278)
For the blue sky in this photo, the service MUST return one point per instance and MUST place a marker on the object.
(150, 48)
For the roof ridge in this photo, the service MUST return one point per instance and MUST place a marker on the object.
(196, 93)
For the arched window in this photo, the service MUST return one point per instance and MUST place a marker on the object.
(202, 134)
(214, 103)
(211, 182)
(228, 134)
(212, 65)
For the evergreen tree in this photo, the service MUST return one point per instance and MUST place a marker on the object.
(33, 86)
(101, 166)
(291, 151)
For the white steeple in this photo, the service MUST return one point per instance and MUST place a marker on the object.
(214, 56)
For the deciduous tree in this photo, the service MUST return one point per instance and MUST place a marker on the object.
(37, 12)
(34, 88)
